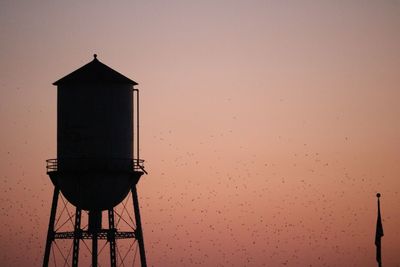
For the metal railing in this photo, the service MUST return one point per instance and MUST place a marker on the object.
(110, 164)
(51, 165)
(138, 164)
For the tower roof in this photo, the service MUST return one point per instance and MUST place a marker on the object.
(95, 72)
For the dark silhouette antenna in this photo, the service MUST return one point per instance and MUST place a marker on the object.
(379, 233)
(96, 167)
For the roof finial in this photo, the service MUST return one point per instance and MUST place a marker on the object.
(95, 56)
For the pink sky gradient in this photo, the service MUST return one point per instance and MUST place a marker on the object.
(267, 126)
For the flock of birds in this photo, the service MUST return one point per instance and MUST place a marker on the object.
(224, 210)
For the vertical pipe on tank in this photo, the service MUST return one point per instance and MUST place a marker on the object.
(137, 124)
(133, 128)
(137, 121)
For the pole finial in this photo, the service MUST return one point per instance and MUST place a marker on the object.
(378, 195)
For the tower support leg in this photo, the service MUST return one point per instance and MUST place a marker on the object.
(94, 249)
(50, 231)
(138, 232)
(111, 238)
(77, 237)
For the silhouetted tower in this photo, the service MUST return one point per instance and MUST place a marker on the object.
(96, 167)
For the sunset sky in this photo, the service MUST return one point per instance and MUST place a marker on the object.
(268, 127)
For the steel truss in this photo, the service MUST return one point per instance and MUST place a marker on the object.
(111, 234)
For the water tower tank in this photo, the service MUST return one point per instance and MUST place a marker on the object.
(94, 168)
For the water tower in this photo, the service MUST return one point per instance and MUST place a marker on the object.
(98, 161)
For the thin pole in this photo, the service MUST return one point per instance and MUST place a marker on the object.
(111, 238)
(138, 232)
(77, 237)
(50, 231)
(379, 234)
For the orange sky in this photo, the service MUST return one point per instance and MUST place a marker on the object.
(267, 126)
